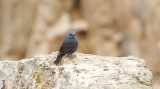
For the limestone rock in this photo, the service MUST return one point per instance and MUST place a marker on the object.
(81, 72)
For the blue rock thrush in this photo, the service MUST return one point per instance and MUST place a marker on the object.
(69, 46)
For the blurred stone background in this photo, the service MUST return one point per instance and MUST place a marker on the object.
(103, 27)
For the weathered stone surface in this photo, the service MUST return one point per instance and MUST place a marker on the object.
(82, 72)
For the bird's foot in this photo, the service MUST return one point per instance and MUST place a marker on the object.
(71, 56)
(58, 64)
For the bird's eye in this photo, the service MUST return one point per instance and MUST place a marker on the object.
(72, 34)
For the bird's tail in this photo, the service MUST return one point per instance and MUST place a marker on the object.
(59, 57)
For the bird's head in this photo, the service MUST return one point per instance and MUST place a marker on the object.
(71, 34)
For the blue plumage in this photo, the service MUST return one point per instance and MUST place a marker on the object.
(69, 46)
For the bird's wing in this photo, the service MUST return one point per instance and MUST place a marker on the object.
(67, 46)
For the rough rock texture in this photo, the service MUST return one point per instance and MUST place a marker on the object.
(81, 72)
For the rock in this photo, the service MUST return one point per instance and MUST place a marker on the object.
(82, 72)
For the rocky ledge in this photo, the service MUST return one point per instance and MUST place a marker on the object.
(81, 72)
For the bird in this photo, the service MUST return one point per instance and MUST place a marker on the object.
(68, 46)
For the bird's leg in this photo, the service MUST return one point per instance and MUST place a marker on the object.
(60, 63)
(67, 55)
(71, 56)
